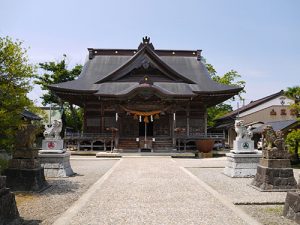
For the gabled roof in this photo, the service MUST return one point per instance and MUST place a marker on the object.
(234, 113)
(277, 125)
(144, 58)
(188, 76)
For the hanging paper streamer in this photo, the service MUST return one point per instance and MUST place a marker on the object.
(117, 116)
(140, 118)
(151, 118)
(174, 116)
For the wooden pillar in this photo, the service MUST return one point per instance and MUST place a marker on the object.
(188, 121)
(205, 120)
(102, 117)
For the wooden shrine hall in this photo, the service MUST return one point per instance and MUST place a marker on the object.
(143, 99)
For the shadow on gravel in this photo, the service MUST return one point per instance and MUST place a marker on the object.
(60, 187)
(31, 222)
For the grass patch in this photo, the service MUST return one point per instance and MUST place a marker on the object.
(274, 210)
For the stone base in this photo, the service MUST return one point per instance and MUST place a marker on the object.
(51, 151)
(241, 165)
(291, 208)
(8, 208)
(25, 179)
(274, 179)
(108, 155)
(56, 165)
(205, 154)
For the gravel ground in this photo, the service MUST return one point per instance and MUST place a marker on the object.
(152, 191)
(209, 172)
(44, 208)
(267, 214)
(237, 189)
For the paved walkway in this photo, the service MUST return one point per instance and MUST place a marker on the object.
(152, 191)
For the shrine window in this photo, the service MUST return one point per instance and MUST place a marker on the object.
(283, 112)
(273, 112)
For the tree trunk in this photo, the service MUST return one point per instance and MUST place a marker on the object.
(296, 150)
(63, 120)
(75, 117)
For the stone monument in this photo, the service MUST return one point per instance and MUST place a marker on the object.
(274, 172)
(9, 213)
(54, 159)
(291, 208)
(242, 161)
(24, 172)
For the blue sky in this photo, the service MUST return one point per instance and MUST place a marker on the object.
(259, 39)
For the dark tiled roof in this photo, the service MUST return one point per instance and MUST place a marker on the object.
(29, 115)
(100, 66)
(277, 125)
(251, 105)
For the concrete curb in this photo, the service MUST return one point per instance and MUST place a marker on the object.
(67, 216)
(226, 202)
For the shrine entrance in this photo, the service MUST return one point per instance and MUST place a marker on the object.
(146, 129)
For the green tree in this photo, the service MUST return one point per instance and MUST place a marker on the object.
(294, 93)
(57, 72)
(15, 75)
(230, 78)
(293, 139)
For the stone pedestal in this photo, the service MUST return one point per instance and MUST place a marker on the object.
(24, 171)
(8, 209)
(274, 175)
(56, 164)
(291, 208)
(241, 145)
(52, 144)
(242, 165)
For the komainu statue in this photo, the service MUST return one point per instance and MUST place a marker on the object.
(273, 139)
(54, 130)
(25, 136)
(242, 131)
(273, 146)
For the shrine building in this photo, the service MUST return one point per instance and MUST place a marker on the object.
(144, 98)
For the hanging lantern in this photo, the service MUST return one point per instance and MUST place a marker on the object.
(156, 116)
(146, 119)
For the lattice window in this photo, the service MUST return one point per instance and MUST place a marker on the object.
(93, 122)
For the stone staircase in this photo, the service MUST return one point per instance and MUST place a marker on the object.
(162, 145)
(128, 145)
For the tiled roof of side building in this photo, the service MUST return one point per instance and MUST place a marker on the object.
(251, 105)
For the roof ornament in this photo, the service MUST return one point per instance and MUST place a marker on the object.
(146, 42)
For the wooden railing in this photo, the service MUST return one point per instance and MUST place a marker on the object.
(199, 136)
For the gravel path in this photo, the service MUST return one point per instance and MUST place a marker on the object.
(44, 208)
(151, 191)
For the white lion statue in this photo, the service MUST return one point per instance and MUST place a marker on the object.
(242, 131)
(54, 130)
